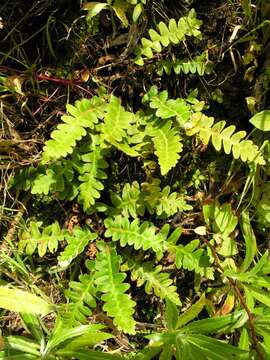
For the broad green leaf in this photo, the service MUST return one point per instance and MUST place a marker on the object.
(21, 344)
(259, 294)
(87, 355)
(261, 120)
(17, 355)
(120, 7)
(94, 8)
(23, 302)
(32, 324)
(171, 315)
(137, 12)
(192, 312)
(215, 324)
(250, 240)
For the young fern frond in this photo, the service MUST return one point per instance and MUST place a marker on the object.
(82, 115)
(76, 243)
(154, 280)
(224, 137)
(91, 169)
(141, 236)
(81, 296)
(43, 240)
(109, 281)
(173, 34)
(167, 143)
(116, 121)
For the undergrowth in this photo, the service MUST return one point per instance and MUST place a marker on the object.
(135, 209)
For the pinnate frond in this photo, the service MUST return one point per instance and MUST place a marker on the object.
(81, 299)
(154, 280)
(76, 243)
(224, 137)
(109, 281)
(174, 33)
(141, 236)
(82, 115)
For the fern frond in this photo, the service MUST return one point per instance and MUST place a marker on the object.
(173, 34)
(82, 115)
(116, 122)
(81, 299)
(130, 203)
(141, 236)
(154, 280)
(226, 137)
(43, 240)
(167, 143)
(58, 177)
(76, 243)
(109, 281)
(191, 258)
(171, 203)
(91, 171)
(198, 64)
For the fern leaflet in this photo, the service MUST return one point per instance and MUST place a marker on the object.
(225, 137)
(174, 33)
(154, 280)
(116, 121)
(141, 236)
(91, 170)
(81, 299)
(77, 241)
(167, 144)
(109, 281)
(47, 239)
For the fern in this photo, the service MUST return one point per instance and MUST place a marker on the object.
(81, 299)
(58, 177)
(90, 166)
(43, 240)
(173, 34)
(130, 203)
(109, 281)
(116, 122)
(171, 203)
(167, 108)
(141, 236)
(154, 280)
(77, 242)
(167, 144)
(190, 258)
(226, 137)
(200, 65)
(84, 114)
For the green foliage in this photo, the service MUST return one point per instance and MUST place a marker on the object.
(81, 299)
(109, 281)
(141, 236)
(174, 33)
(198, 65)
(83, 115)
(76, 243)
(226, 137)
(33, 238)
(154, 280)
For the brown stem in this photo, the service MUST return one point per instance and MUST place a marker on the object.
(241, 299)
